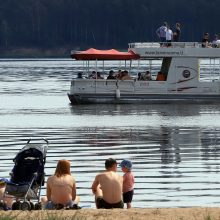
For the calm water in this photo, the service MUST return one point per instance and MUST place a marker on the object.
(174, 148)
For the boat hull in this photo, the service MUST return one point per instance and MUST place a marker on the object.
(143, 98)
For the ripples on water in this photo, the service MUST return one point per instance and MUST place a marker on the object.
(174, 148)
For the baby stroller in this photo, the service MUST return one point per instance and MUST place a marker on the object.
(27, 176)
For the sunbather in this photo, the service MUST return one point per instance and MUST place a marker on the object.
(61, 188)
(107, 187)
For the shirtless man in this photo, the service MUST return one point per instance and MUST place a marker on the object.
(107, 187)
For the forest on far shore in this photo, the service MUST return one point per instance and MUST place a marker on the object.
(61, 25)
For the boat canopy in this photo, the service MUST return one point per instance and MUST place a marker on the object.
(94, 54)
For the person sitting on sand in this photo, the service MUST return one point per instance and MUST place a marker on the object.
(61, 188)
(6, 200)
(107, 187)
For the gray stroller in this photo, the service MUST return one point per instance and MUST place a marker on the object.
(27, 176)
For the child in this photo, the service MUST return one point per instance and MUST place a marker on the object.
(128, 182)
(5, 202)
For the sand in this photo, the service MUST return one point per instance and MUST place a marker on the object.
(121, 214)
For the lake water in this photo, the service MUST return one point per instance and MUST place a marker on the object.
(174, 148)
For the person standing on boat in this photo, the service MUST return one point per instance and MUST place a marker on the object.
(206, 40)
(177, 32)
(216, 41)
(169, 36)
(161, 33)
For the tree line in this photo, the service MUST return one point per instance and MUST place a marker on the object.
(103, 24)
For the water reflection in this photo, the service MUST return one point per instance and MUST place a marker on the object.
(174, 148)
(170, 164)
(146, 109)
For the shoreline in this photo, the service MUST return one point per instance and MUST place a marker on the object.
(194, 213)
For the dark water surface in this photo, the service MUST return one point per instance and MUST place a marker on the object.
(175, 149)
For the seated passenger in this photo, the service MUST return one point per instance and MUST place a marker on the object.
(140, 77)
(79, 75)
(98, 76)
(61, 188)
(92, 75)
(119, 75)
(125, 75)
(147, 76)
(161, 76)
(111, 75)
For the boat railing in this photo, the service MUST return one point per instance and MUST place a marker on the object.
(162, 44)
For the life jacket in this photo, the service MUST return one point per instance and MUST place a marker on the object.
(161, 77)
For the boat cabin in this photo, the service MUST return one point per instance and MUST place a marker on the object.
(186, 71)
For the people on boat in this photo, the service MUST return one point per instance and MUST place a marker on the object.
(111, 75)
(125, 75)
(61, 188)
(161, 33)
(140, 77)
(206, 40)
(161, 76)
(176, 33)
(128, 182)
(169, 36)
(92, 75)
(216, 41)
(147, 76)
(98, 76)
(79, 75)
(119, 75)
(107, 187)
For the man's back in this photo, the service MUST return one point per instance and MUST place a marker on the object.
(111, 186)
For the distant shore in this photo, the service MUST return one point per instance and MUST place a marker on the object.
(35, 53)
(32, 53)
(121, 214)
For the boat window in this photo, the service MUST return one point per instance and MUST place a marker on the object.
(209, 69)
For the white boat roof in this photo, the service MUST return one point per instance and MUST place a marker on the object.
(178, 49)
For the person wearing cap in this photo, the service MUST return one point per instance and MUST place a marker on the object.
(107, 187)
(128, 182)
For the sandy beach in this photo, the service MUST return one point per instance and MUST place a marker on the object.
(133, 214)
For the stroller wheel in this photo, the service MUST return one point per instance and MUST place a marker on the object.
(25, 206)
(38, 206)
(32, 206)
(2, 206)
(16, 205)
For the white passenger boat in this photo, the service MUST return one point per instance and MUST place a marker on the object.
(185, 80)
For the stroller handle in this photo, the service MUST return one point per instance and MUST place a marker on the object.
(44, 139)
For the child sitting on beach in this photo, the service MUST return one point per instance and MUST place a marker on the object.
(128, 182)
(5, 201)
